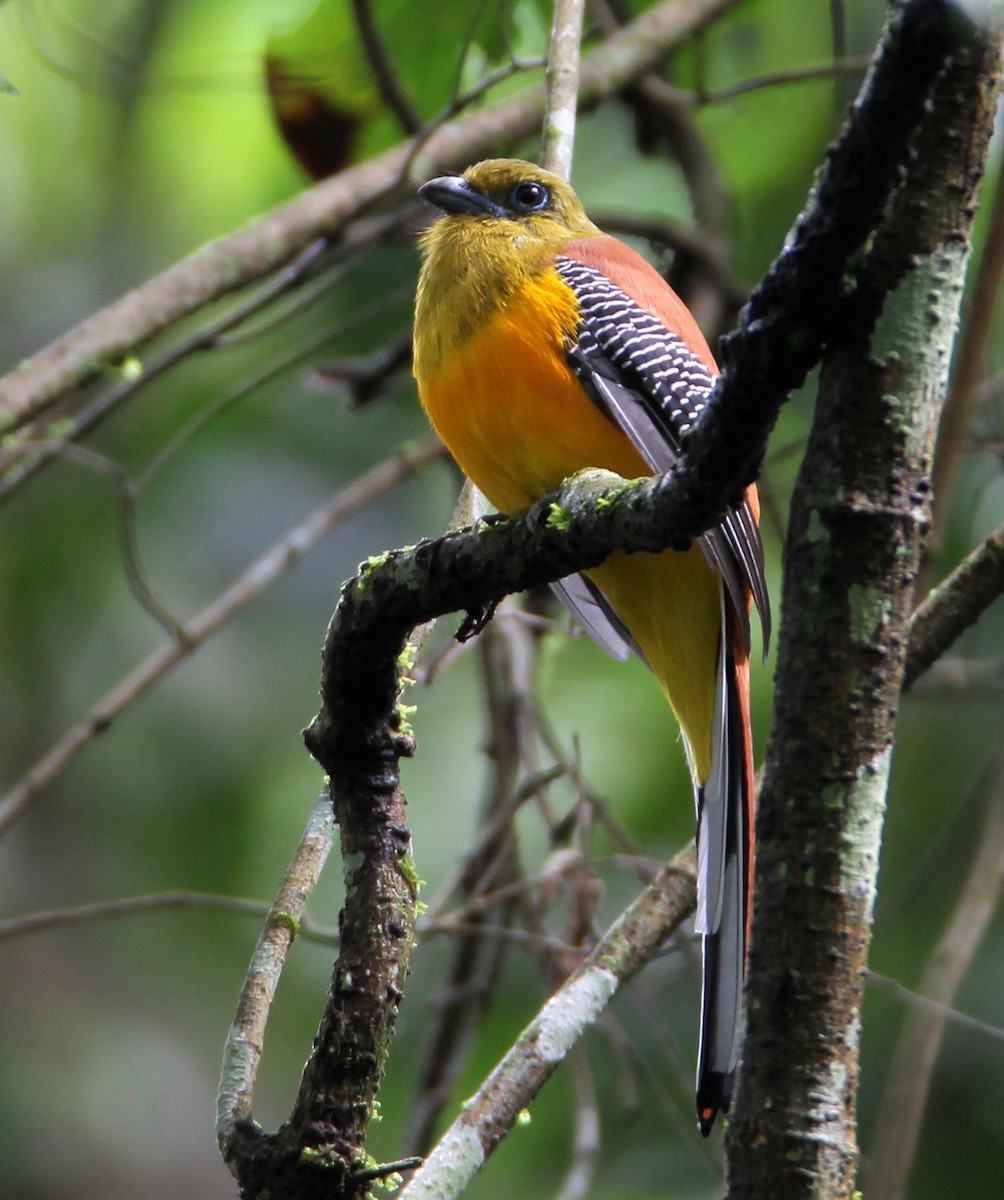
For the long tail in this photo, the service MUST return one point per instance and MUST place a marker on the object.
(725, 851)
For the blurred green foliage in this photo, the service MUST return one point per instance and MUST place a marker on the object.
(140, 130)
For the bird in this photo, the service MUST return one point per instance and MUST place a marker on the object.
(541, 347)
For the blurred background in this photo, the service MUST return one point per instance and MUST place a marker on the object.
(131, 132)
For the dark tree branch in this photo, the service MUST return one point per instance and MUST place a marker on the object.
(363, 376)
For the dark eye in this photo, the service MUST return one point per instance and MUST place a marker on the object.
(529, 196)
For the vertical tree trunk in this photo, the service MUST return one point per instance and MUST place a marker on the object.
(859, 515)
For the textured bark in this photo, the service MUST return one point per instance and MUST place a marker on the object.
(320, 1151)
(859, 516)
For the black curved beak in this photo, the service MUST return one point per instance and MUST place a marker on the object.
(453, 194)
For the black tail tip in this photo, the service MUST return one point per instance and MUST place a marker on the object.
(705, 1120)
(714, 1093)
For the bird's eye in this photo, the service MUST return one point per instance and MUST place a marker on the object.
(529, 196)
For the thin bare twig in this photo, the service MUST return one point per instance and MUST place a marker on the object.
(568, 763)
(132, 561)
(955, 604)
(840, 69)
(909, 1080)
(542, 944)
(463, 100)
(363, 376)
(388, 84)
(586, 1143)
(129, 490)
(23, 460)
(437, 913)
(558, 139)
(128, 906)
(517, 1078)
(949, 1015)
(495, 866)
(271, 565)
(33, 457)
(246, 1039)
(304, 350)
(673, 1064)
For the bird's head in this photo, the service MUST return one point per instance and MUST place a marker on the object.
(504, 222)
(511, 198)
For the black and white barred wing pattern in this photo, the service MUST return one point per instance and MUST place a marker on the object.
(652, 385)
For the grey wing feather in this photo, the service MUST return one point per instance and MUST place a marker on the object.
(590, 608)
(713, 804)
(722, 854)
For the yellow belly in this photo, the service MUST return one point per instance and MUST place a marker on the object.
(518, 422)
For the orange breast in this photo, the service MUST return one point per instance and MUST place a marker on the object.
(516, 419)
(511, 411)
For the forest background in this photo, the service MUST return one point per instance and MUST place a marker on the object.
(140, 131)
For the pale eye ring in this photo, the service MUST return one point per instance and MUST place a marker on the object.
(529, 195)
